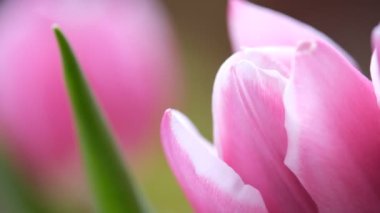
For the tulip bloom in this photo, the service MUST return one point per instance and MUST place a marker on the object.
(296, 125)
(126, 50)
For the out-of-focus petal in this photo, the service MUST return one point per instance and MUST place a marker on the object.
(376, 37)
(251, 25)
(250, 134)
(333, 127)
(128, 69)
(209, 183)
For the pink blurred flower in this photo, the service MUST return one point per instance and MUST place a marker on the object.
(296, 125)
(126, 50)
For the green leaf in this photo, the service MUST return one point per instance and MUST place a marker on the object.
(113, 188)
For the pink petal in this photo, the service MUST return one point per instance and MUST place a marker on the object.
(334, 131)
(375, 73)
(209, 183)
(376, 37)
(375, 66)
(250, 133)
(251, 25)
(277, 58)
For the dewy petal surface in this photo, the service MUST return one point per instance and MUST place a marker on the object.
(332, 122)
(250, 133)
(251, 25)
(209, 183)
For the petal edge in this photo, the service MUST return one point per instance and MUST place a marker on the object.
(209, 183)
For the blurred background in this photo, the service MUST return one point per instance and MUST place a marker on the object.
(201, 30)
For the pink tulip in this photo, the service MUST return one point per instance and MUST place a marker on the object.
(296, 125)
(126, 50)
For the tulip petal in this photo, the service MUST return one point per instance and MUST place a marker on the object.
(250, 133)
(270, 58)
(375, 75)
(209, 183)
(251, 25)
(333, 130)
(375, 66)
(376, 37)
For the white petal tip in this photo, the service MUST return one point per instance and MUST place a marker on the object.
(377, 29)
(168, 111)
(376, 36)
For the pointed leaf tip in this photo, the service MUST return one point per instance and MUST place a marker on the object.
(113, 188)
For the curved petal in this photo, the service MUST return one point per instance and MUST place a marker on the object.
(375, 66)
(333, 129)
(376, 37)
(375, 75)
(251, 25)
(209, 183)
(250, 133)
(277, 58)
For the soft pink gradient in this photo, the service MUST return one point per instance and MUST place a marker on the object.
(333, 126)
(295, 120)
(210, 184)
(251, 25)
(375, 61)
(126, 51)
